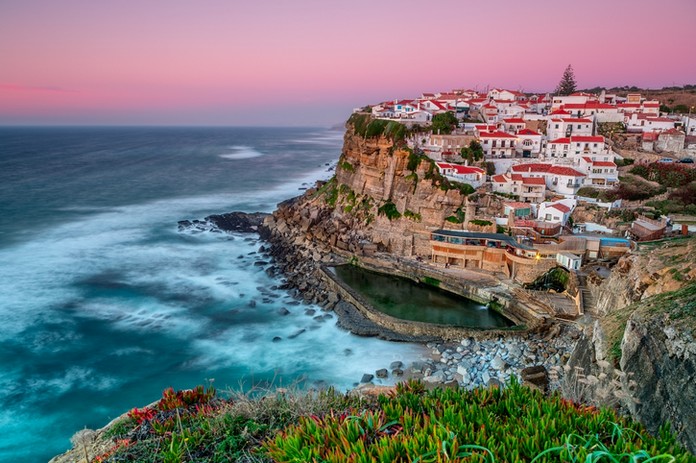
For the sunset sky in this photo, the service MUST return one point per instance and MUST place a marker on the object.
(309, 62)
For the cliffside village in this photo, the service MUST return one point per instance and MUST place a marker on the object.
(545, 149)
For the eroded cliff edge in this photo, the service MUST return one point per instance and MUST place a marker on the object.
(646, 326)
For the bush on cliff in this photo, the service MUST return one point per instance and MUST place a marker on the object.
(411, 424)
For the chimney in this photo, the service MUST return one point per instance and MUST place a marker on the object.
(685, 229)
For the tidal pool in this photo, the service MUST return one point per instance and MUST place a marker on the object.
(404, 299)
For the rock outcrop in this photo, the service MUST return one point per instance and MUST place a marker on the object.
(646, 325)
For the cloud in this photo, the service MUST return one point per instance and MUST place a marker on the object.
(32, 88)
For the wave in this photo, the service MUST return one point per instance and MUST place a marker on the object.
(241, 152)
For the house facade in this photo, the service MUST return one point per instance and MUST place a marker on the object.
(498, 144)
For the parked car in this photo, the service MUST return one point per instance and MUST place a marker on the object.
(666, 160)
(687, 161)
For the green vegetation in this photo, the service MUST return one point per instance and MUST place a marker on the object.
(458, 216)
(514, 424)
(555, 279)
(511, 424)
(329, 191)
(415, 216)
(679, 178)
(367, 127)
(507, 195)
(347, 166)
(567, 84)
(414, 160)
(444, 123)
(481, 223)
(389, 209)
(473, 152)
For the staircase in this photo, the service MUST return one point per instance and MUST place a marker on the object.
(588, 300)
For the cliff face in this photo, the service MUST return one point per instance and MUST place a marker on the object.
(658, 352)
(646, 324)
(375, 202)
(375, 169)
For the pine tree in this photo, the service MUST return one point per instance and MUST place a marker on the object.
(567, 84)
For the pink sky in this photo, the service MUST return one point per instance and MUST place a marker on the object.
(309, 62)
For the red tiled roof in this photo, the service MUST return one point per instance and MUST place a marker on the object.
(603, 164)
(567, 171)
(496, 135)
(463, 170)
(500, 178)
(586, 159)
(528, 132)
(534, 181)
(588, 105)
(587, 139)
(559, 111)
(531, 167)
(517, 177)
(514, 120)
(561, 207)
(562, 140)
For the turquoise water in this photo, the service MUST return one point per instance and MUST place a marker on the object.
(104, 303)
(406, 300)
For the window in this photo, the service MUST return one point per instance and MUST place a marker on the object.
(495, 142)
(527, 142)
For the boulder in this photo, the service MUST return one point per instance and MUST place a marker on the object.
(367, 378)
(382, 373)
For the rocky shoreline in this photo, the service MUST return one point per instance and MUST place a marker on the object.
(471, 362)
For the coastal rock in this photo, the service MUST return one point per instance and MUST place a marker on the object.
(366, 378)
(382, 373)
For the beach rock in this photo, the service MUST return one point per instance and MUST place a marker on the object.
(283, 311)
(397, 372)
(382, 373)
(277, 339)
(366, 378)
(252, 303)
(498, 363)
(396, 364)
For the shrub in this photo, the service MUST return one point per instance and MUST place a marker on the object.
(480, 223)
(347, 166)
(444, 123)
(389, 209)
(514, 424)
(415, 216)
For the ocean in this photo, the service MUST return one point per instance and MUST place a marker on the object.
(104, 302)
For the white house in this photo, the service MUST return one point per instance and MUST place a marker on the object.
(577, 146)
(489, 113)
(528, 189)
(501, 94)
(528, 143)
(513, 124)
(638, 122)
(575, 98)
(559, 127)
(434, 106)
(560, 179)
(599, 174)
(474, 176)
(569, 260)
(602, 112)
(498, 144)
(557, 211)
(689, 125)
